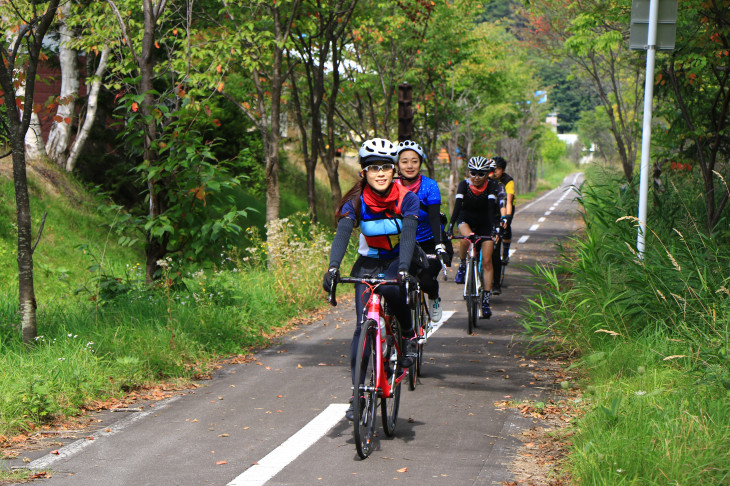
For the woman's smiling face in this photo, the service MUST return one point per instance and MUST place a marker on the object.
(380, 175)
(409, 164)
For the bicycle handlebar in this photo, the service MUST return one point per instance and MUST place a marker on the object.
(472, 237)
(371, 281)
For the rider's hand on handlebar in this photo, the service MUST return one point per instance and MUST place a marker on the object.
(450, 231)
(330, 278)
(403, 277)
(505, 221)
(442, 255)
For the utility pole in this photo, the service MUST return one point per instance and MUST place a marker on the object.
(405, 112)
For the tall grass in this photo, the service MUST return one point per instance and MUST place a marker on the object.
(652, 332)
(122, 334)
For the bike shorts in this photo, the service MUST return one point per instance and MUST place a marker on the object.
(479, 224)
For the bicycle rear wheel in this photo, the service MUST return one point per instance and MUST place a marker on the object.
(365, 401)
(423, 329)
(417, 320)
(389, 405)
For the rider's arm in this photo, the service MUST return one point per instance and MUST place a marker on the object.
(407, 242)
(339, 243)
(458, 201)
(502, 198)
(510, 190)
(434, 221)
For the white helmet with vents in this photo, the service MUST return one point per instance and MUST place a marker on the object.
(409, 145)
(377, 150)
(481, 163)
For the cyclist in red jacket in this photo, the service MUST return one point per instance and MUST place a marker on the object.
(387, 215)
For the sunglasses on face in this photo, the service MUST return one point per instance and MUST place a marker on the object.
(477, 173)
(379, 168)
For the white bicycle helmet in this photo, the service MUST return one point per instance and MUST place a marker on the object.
(377, 149)
(480, 163)
(409, 145)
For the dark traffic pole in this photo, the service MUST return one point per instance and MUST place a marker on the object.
(405, 112)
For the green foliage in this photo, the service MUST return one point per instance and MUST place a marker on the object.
(199, 207)
(652, 333)
(552, 149)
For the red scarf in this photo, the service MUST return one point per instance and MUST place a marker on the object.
(478, 190)
(413, 187)
(378, 203)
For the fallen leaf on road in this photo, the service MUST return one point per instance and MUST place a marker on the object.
(299, 366)
(279, 396)
(55, 452)
(402, 470)
(220, 463)
(223, 435)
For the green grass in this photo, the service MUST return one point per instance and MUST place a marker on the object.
(131, 334)
(653, 336)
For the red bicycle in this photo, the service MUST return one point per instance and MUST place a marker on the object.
(377, 368)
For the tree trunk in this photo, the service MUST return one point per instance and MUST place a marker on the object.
(25, 241)
(91, 107)
(60, 134)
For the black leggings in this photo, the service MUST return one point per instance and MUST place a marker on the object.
(429, 276)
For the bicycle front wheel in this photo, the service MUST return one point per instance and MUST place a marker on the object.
(389, 405)
(472, 311)
(365, 395)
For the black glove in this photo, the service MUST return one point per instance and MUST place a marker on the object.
(403, 277)
(443, 255)
(506, 221)
(497, 232)
(330, 278)
(450, 231)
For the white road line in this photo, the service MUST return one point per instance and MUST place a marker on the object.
(522, 208)
(77, 446)
(291, 448)
(541, 220)
(553, 207)
(575, 178)
(523, 239)
(444, 317)
(534, 227)
(548, 213)
(294, 446)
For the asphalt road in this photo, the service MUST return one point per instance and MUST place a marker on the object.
(279, 420)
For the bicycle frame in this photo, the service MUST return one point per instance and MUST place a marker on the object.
(375, 310)
(473, 266)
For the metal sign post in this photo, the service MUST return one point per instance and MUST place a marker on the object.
(639, 23)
